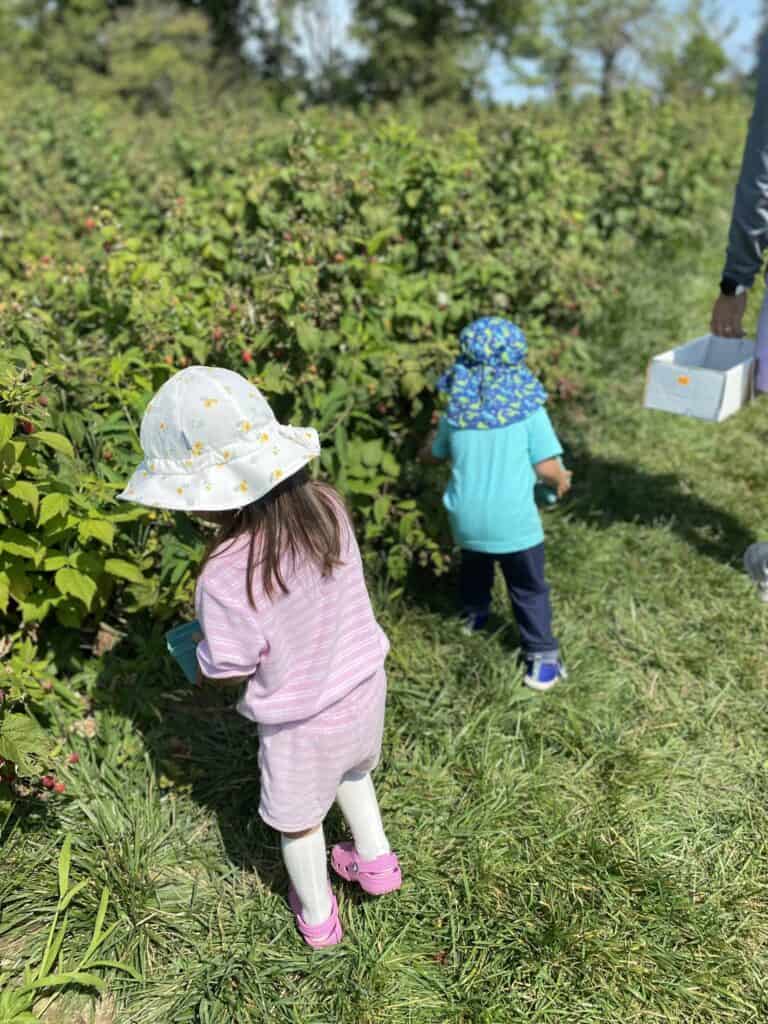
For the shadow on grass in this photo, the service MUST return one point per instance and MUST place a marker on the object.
(607, 492)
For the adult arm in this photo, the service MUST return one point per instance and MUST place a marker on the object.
(748, 234)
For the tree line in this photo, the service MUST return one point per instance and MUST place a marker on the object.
(357, 51)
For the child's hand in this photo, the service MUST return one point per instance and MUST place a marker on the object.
(552, 474)
(564, 483)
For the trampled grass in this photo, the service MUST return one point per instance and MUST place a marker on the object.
(597, 855)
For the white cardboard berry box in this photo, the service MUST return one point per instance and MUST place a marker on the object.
(709, 378)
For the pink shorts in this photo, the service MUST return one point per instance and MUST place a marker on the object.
(302, 763)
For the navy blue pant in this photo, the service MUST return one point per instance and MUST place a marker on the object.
(528, 591)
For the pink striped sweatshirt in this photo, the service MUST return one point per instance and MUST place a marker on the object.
(302, 651)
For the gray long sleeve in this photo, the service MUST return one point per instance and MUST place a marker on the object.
(748, 235)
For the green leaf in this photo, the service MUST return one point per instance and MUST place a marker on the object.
(52, 950)
(70, 978)
(89, 562)
(26, 492)
(371, 454)
(70, 613)
(19, 512)
(308, 336)
(71, 893)
(36, 607)
(117, 966)
(22, 740)
(54, 562)
(7, 424)
(16, 542)
(65, 861)
(124, 570)
(74, 583)
(8, 456)
(20, 582)
(390, 465)
(99, 529)
(5, 591)
(379, 239)
(52, 505)
(413, 383)
(381, 508)
(58, 442)
(100, 916)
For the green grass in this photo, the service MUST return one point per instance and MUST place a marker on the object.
(595, 855)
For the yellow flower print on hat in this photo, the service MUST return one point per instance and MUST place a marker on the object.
(242, 487)
(264, 438)
(245, 426)
(277, 474)
(197, 448)
(209, 403)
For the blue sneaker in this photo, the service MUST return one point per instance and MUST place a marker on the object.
(544, 672)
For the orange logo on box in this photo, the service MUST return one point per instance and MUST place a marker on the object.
(683, 380)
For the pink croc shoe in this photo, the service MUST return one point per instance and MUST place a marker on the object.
(327, 933)
(376, 877)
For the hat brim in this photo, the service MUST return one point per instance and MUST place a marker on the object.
(229, 483)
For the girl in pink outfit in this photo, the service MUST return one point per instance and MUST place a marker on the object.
(285, 614)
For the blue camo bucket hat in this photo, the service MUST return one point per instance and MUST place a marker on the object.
(489, 385)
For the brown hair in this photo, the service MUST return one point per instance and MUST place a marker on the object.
(300, 517)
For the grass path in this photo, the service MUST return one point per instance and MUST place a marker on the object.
(596, 855)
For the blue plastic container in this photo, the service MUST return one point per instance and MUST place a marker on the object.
(182, 645)
(544, 495)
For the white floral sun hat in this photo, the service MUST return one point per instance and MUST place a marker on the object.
(212, 443)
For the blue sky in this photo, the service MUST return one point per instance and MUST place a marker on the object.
(740, 45)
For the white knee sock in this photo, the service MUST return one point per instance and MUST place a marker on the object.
(357, 800)
(307, 868)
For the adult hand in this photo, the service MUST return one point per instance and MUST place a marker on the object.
(727, 314)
